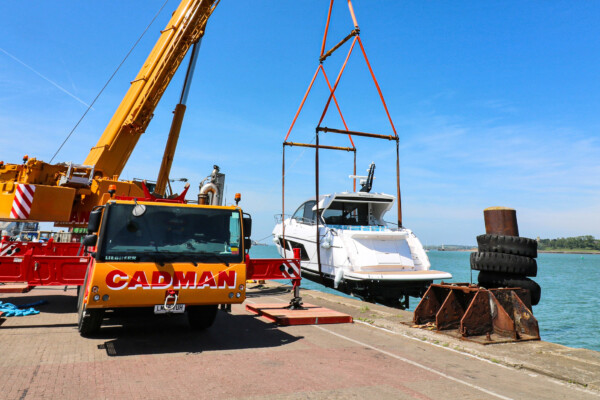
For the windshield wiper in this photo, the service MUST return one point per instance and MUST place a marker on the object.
(162, 256)
(184, 257)
(206, 256)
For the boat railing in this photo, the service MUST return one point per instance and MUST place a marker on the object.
(279, 218)
(362, 228)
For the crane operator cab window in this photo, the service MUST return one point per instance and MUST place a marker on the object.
(170, 234)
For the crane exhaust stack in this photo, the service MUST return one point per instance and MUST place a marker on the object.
(212, 188)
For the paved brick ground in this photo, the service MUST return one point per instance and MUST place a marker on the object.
(241, 356)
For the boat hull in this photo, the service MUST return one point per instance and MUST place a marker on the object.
(379, 265)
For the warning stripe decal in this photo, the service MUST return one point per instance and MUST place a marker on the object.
(7, 249)
(22, 202)
(292, 271)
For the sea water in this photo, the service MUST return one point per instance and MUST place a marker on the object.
(568, 310)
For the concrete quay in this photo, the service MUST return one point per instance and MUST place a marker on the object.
(243, 356)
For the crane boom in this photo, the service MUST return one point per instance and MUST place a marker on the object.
(65, 193)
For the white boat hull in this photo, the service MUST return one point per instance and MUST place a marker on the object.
(354, 250)
(380, 265)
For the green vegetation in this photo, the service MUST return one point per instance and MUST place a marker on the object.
(581, 244)
(449, 247)
(578, 243)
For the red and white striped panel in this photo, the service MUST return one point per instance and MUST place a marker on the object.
(7, 249)
(292, 271)
(22, 202)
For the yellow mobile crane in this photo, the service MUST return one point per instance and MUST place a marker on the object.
(65, 193)
(147, 251)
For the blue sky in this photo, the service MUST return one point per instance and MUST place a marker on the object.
(496, 103)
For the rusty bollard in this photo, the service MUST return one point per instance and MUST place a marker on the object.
(504, 258)
(499, 308)
(501, 221)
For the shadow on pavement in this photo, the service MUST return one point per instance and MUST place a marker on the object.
(37, 326)
(260, 290)
(171, 334)
(63, 303)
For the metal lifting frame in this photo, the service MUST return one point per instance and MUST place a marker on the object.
(355, 34)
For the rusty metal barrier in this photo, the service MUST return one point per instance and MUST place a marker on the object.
(478, 314)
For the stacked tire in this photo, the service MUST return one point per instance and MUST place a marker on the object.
(507, 261)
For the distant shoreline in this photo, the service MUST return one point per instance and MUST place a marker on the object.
(539, 251)
(446, 250)
(569, 251)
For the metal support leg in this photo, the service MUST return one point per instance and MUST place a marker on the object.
(296, 302)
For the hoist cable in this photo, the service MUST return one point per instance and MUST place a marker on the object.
(110, 79)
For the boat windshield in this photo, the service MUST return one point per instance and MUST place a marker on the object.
(305, 213)
(347, 213)
(170, 234)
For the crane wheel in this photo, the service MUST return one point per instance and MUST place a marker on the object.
(89, 322)
(202, 317)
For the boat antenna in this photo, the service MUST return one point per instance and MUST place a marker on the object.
(368, 184)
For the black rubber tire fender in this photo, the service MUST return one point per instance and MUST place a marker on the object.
(516, 245)
(492, 280)
(505, 263)
(202, 317)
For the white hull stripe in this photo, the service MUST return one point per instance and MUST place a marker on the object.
(22, 202)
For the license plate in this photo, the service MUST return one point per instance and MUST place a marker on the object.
(160, 309)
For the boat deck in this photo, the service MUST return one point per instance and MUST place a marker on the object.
(402, 275)
(245, 356)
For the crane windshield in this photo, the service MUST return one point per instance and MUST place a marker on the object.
(170, 234)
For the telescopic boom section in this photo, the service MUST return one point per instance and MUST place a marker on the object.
(65, 193)
(186, 27)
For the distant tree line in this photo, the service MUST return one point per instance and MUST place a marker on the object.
(587, 242)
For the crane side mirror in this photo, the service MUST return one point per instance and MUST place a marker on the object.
(89, 240)
(138, 210)
(247, 221)
(94, 222)
(247, 244)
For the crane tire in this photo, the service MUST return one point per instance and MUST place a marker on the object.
(81, 290)
(493, 280)
(202, 317)
(88, 324)
(505, 263)
(516, 245)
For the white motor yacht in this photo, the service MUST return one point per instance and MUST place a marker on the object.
(359, 252)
